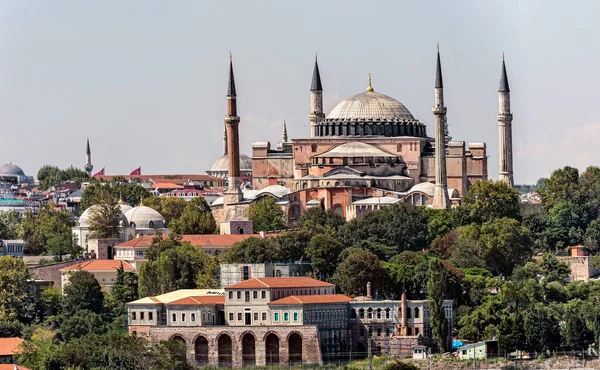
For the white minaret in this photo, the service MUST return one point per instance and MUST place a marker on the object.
(316, 114)
(505, 129)
(88, 159)
(225, 139)
(441, 200)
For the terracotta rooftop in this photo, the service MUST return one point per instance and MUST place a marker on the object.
(9, 346)
(207, 299)
(207, 240)
(166, 185)
(280, 282)
(312, 299)
(99, 265)
(12, 367)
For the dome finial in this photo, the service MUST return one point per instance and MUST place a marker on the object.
(9, 161)
(369, 87)
(120, 198)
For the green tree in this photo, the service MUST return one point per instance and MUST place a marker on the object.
(562, 186)
(401, 226)
(105, 215)
(487, 200)
(130, 193)
(177, 267)
(318, 216)
(323, 252)
(437, 285)
(14, 289)
(51, 300)
(11, 328)
(82, 292)
(574, 330)
(81, 323)
(541, 328)
(125, 288)
(353, 273)
(172, 208)
(35, 230)
(8, 224)
(400, 365)
(267, 215)
(60, 245)
(439, 223)
(195, 219)
(49, 176)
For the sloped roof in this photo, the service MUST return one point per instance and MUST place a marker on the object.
(312, 299)
(353, 149)
(280, 282)
(99, 265)
(200, 240)
(9, 346)
(178, 295)
(195, 300)
(166, 185)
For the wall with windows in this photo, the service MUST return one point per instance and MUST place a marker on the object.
(191, 315)
(144, 315)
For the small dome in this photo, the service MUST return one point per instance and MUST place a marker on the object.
(222, 163)
(124, 207)
(370, 106)
(11, 169)
(277, 190)
(423, 187)
(84, 219)
(145, 218)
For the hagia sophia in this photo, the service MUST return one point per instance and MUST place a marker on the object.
(369, 150)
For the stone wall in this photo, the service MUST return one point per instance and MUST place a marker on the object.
(311, 351)
(50, 272)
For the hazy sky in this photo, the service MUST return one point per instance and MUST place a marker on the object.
(146, 80)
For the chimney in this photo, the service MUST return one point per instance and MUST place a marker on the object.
(369, 290)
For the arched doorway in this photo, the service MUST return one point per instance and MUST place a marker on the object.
(201, 351)
(272, 350)
(248, 350)
(180, 348)
(224, 344)
(295, 349)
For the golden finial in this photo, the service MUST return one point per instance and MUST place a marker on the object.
(230, 57)
(9, 161)
(141, 200)
(502, 55)
(370, 88)
(120, 197)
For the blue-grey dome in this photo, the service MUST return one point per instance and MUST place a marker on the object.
(11, 169)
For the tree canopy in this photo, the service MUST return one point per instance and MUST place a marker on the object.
(267, 215)
(196, 218)
(49, 176)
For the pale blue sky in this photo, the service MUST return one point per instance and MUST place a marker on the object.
(146, 80)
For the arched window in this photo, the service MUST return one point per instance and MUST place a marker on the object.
(408, 313)
(370, 313)
(151, 224)
(313, 148)
(379, 313)
(416, 312)
(399, 147)
(361, 313)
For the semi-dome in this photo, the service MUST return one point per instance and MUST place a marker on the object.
(84, 219)
(370, 106)
(222, 163)
(353, 149)
(12, 170)
(145, 218)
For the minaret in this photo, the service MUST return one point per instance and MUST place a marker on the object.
(505, 129)
(440, 195)
(234, 193)
(316, 114)
(88, 159)
(225, 139)
(284, 136)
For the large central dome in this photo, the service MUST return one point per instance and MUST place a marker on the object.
(370, 106)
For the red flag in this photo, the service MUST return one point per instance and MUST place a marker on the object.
(99, 173)
(137, 171)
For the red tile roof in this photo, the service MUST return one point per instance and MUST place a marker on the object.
(280, 282)
(312, 299)
(166, 185)
(206, 299)
(12, 367)
(207, 240)
(9, 346)
(99, 265)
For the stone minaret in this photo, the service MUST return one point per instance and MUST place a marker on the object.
(316, 114)
(440, 195)
(284, 137)
(225, 139)
(234, 193)
(505, 129)
(88, 159)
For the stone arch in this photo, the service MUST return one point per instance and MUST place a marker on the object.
(201, 350)
(294, 348)
(271, 349)
(337, 208)
(224, 345)
(181, 353)
(248, 341)
(416, 312)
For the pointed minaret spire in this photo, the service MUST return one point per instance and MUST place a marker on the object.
(231, 85)
(284, 137)
(316, 78)
(505, 129)
(88, 159)
(503, 78)
(316, 114)
(441, 200)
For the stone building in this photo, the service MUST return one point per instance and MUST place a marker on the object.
(105, 271)
(279, 321)
(368, 145)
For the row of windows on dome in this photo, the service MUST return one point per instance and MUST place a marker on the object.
(371, 129)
